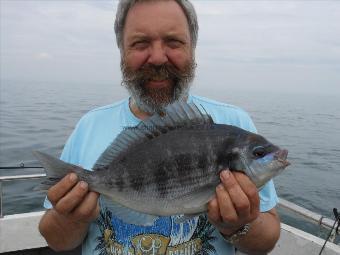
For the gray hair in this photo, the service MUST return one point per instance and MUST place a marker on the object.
(125, 5)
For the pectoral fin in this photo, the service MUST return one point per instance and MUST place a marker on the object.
(196, 201)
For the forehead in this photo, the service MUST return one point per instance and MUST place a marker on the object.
(156, 17)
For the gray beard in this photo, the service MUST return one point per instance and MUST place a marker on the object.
(155, 100)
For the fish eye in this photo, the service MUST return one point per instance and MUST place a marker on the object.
(259, 151)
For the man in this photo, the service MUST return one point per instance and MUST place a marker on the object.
(157, 40)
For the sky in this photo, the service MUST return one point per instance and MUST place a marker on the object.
(277, 45)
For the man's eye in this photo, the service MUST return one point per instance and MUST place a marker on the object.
(140, 44)
(173, 43)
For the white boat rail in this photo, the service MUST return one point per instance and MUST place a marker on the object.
(307, 214)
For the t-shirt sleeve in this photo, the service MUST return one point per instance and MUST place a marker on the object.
(47, 203)
(245, 122)
(268, 197)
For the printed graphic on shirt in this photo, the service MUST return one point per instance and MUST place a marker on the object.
(195, 236)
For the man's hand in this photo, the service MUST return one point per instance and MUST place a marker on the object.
(73, 200)
(237, 203)
(74, 208)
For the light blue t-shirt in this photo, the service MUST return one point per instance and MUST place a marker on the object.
(108, 234)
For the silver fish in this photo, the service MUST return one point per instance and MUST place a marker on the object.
(170, 164)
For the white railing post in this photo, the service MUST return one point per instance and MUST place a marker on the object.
(1, 199)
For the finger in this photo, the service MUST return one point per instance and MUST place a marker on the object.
(214, 211)
(56, 192)
(251, 192)
(89, 208)
(72, 199)
(238, 198)
(227, 210)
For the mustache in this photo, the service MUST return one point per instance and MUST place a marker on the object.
(156, 72)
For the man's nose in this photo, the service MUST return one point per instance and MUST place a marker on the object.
(157, 55)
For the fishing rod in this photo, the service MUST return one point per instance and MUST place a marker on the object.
(334, 230)
(21, 166)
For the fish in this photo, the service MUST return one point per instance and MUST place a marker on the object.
(170, 164)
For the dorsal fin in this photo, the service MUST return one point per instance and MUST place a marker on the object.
(175, 116)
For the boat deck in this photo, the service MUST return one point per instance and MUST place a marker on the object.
(19, 235)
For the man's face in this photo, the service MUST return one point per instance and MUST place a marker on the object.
(157, 56)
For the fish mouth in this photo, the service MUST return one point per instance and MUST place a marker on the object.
(281, 156)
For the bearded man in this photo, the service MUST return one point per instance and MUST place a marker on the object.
(157, 40)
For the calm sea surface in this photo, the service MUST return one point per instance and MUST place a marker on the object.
(40, 116)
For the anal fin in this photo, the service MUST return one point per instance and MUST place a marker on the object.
(130, 216)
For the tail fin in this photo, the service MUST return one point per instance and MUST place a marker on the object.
(55, 170)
